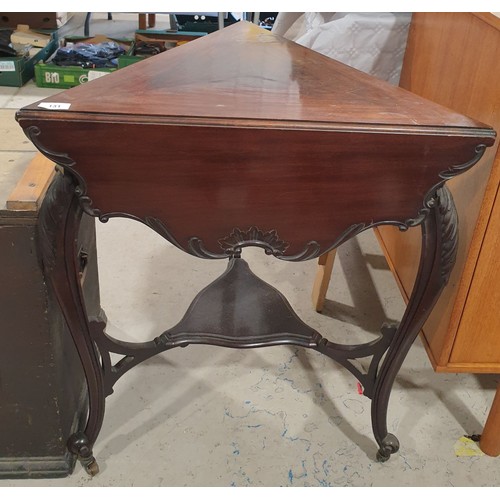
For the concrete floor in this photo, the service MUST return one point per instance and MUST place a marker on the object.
(280, 416)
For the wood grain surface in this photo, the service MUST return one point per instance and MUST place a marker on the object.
(31, 188)
(481, 318)
(247, 73)
(199, 186)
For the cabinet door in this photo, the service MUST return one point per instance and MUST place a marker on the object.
(478, 336)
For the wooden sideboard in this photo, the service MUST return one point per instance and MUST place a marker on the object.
(449, 60)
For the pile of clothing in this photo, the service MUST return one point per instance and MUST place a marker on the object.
(89, 55)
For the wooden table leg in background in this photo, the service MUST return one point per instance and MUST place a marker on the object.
(490, 438)
(142, 22)
(147, 22)
(323, 275)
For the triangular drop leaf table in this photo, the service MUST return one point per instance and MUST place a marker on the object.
(242, 138)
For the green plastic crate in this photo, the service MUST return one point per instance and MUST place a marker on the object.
(126, 60)
(64, 77)
(52, 76)
(16, 71)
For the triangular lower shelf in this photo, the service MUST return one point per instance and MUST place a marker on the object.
(240, 310)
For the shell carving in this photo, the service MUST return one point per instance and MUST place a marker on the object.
(254, 236)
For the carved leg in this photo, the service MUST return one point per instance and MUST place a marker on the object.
(439, 245)
(60, 217)
(322, 280)
(490, 439)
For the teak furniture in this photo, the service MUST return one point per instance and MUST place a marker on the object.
(270, 145)
(42, 390)
(462, 333)
(448, 61)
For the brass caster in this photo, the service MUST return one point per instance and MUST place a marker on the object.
(79, 444)
(92, 468)
(389, 445)
(382, 457)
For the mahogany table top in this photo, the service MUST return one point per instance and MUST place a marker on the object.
(248, 74)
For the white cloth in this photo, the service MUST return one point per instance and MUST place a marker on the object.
(371, 42)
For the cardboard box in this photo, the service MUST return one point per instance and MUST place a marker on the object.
(25, 36)
(36, 20)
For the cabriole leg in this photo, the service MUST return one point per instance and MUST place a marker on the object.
(59, 223)
(439, 247)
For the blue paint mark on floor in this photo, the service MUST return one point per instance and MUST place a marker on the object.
(290, 438)
(323, 482)
(325, 467)
(291, 476)
(292, 383)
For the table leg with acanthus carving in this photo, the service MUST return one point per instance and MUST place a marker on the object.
(60, 218)
(439, 247)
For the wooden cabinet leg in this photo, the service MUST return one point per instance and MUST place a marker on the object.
(490, 438)
(151, 20)
(323, 275)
